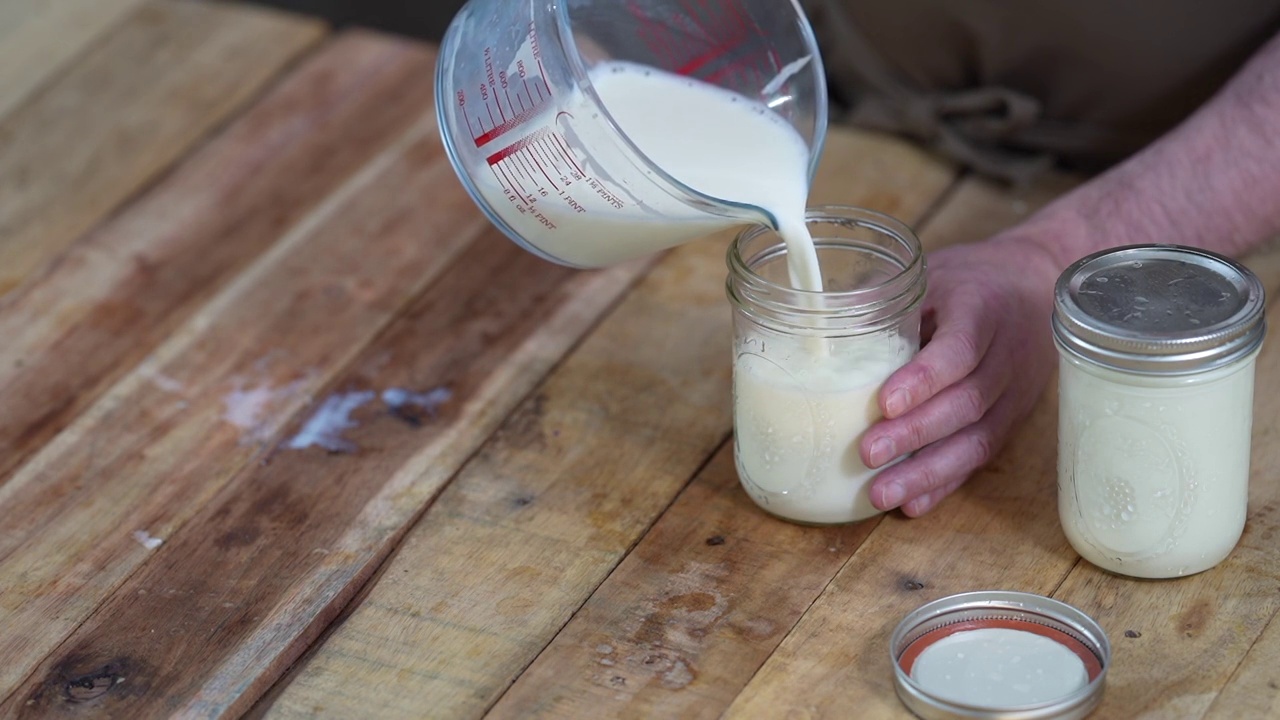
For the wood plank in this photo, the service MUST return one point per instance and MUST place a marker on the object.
(548, 508)
(79, 518)
(1194, 632)
(1254, 690)
(113, 297)
(689, 615)
(833, 652)
(39, 38)
(269, 562)
(126, 111)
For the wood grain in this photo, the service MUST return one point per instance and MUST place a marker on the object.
(467, 350)
(546, 507)
(1254, 689)
(38, 38)
(79, 517)
(117, 294)
(836, 652)
(546, 510)
(1191, 633)
(119, 117)
(690, 615)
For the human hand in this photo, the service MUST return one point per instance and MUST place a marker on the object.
(987, 353)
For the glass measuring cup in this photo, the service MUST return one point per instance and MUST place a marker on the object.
(540, 153)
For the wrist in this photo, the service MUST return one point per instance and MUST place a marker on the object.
(1049, 240)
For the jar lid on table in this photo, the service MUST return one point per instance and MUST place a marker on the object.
(1159, 309)
(996, 676)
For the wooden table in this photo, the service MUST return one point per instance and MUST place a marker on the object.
(287, 429)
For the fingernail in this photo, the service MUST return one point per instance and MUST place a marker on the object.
(881, 452)
(892, 495)
(896, 403)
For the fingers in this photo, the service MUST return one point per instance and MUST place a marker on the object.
(956, 407)
(920, 482)
(923, 504)
(962, 338)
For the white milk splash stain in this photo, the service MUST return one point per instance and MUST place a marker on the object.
(145, 540)
(250, 403)
(402, 403)
(327, 424)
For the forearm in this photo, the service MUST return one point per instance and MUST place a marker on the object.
(1213, 182)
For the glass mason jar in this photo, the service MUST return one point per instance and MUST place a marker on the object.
(1157, 348)
(808, 366)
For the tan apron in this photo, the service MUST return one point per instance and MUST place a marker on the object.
(1011, 87)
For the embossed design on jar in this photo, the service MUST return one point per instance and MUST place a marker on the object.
(781, 437)
(1134, 485)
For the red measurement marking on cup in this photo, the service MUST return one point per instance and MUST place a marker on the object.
(541, 167)
(508, 95)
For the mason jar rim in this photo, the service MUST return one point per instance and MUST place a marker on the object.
(859, 311)
(847, 214)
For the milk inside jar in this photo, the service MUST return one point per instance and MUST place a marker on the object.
(1158, 347)
(808, 366)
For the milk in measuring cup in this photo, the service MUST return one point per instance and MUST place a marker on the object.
(713, 140)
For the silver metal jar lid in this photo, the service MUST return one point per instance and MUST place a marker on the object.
(1042, 616)
(1159, 309)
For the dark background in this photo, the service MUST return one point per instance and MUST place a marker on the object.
(417, 18)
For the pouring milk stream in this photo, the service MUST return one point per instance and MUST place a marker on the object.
(595, 131)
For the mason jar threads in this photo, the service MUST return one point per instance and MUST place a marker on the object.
(1157, 348)
(808, 366)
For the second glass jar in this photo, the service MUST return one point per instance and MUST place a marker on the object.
(1158, 346)
(808, 366)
